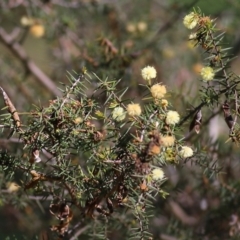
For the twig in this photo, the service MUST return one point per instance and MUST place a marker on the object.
(12, 140)
(79, 232)
(12, 110)
(218, 54)
(21, 54)
(167, 237)
(182, 215)
(236, 111)
(5, 126)
(35, 198)
(113, 161)
(66, 97)
(145, 126)
(191, 113)
(192, 133)
(73, 4)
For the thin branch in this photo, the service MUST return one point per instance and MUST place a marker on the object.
(236, 112)
(167, 237)
(71, 90)
(10, 140)
(218, 54)
(10, 42)
(79, 232)
(192, 112)
(31, 197)
(205, 123)
(113, 161)
(182, 215)
(67, 4)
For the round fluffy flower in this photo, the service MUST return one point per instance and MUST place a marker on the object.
(12, 187)
(192, 36)
(172, 117)
(37, 30)
(164, 103)
(170, 155)
(167, 141)
(26, 21)
(190, 21)
(192, 43)
(118, 114)
(142, 26)
(157, 174)
(186, 152)
(131, 28)
(158, 91)
(134, 109)
(78, 120)
(207, 73)
(149, 73)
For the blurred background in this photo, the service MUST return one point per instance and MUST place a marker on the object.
(42, 40)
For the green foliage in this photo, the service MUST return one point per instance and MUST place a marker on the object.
(90, 160)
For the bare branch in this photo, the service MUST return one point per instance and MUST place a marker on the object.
(21, 54)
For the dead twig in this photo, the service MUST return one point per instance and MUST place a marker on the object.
(182, 215)
(10, 42)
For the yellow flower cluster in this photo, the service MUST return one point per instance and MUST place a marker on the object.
(192, 36)
(140, 26)
(207, 73)
(164, 103)
(134, 109)
(186, 152)
(78, 120)
(37, 30)
(149, 73)
(167, 141)
(158, 91)
(172, 117)
(12, 187)
(118, 114)
(26, 21)
(157, 174)
(190, 21)
(170, 155)
(192, 40)
(35, 27)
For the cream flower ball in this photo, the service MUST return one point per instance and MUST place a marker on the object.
(118, 114)
(172, 117)
(186, 152)
(149, 73)
(167, 141)
(158, 91)
(134, 109)
(190, 21)
(207, 73)
(157, 174)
